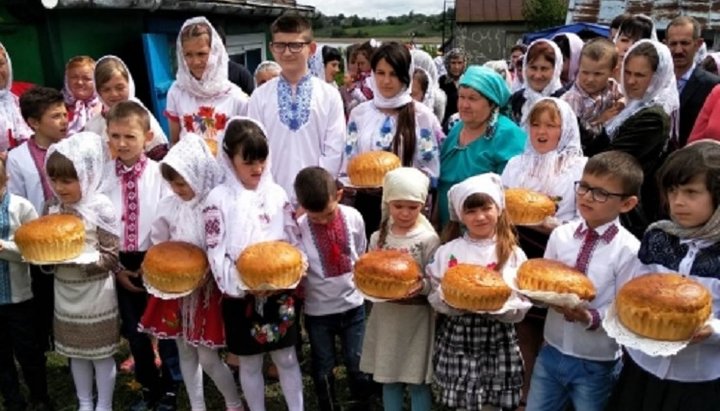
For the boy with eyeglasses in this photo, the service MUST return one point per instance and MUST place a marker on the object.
(579, 362)
(303, 115)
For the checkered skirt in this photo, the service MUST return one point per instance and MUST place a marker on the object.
(477, 361)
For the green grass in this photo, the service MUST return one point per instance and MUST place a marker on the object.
(384, 30)
(62, 391)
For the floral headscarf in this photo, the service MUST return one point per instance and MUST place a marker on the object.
(82, 109)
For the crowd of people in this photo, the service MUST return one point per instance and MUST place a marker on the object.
(621, 132)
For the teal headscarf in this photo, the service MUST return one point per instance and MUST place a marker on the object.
(488, 83)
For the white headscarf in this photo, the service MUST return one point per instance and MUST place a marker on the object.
(408, 184)
(245, 202)
(500, 67)
(488, 183)
(82, 109)
(423, 61)
(131, 82)
(191, 158)
(402, 98)
(214, 79)
(701, 53)
(661, 91)
(532, 96)
(87, 152)
(540, 167)
(10, 110)
(576, 45)
(316, 64)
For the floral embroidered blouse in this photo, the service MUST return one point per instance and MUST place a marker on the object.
(370, 129)
(203, 116)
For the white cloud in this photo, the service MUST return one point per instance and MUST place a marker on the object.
(375, 8)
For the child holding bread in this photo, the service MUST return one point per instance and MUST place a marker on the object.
(477, 361)
(397, 349)
(17, 323)
(134, 185)
(332, 236)
(688, 243)
(191, 171)
(86, 324)
(551, 162)
(248, 208)
(579, 363)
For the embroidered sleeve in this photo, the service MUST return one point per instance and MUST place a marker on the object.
(221, 264)
(109, 247)
(427, 155)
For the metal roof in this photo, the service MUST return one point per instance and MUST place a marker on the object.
(707, 12)
(245, 7)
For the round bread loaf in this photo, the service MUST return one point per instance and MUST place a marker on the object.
(388, 274)
(52, 238)
(474, 288)
(526, 207)
(368, 169)
(270, 265)
(174, 267)
(665, 307)
(540, 274)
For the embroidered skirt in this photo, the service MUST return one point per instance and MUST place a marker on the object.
(477, 361)
(161, 318)
(86, 322)
(254, 326)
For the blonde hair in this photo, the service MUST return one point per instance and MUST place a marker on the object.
(506, 239)
(196, 30)
(109, 68)
(79, 61)
(542, 107)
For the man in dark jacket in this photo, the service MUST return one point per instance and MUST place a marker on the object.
(237, 73)
(694, 83)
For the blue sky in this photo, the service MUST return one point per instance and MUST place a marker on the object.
(375, 8)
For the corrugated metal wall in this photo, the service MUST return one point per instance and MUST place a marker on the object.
(662, 11)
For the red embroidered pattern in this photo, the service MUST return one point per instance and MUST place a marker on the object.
(131, 201)
(589, 244)
(205, 122)
(212, 226)
(332, 243)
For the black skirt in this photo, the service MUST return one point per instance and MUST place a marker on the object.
(254, 327)
(638, 390)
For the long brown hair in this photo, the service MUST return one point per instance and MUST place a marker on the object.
(399, 58)
(506, 240)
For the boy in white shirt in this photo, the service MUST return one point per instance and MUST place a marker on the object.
(44, 110)
(135, 186)
(332, 236)
(580, 362)
(303, 114)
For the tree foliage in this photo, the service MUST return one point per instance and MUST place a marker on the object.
(541, 14)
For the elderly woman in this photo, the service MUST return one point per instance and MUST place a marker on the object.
(266, 71)
(484, 139)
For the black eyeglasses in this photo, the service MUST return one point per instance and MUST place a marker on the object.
(598, 194)
(294, 47)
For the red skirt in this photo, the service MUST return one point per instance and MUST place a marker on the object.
(202, 319)
(162, 318)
